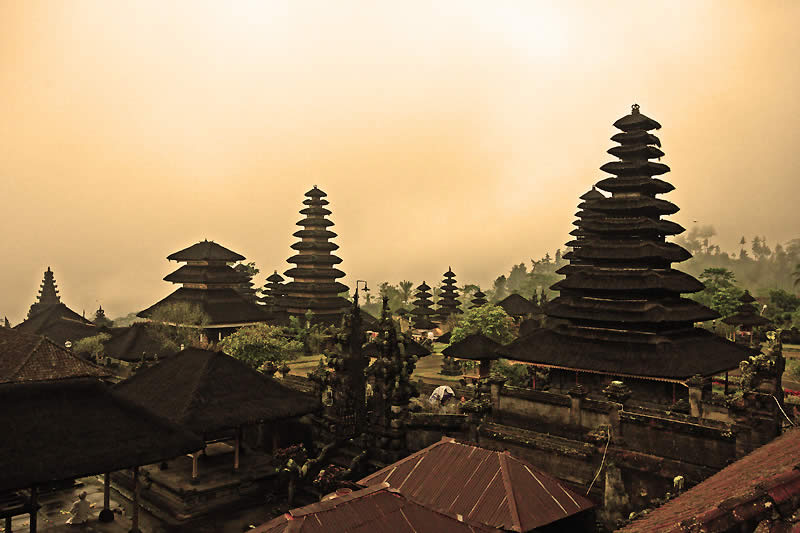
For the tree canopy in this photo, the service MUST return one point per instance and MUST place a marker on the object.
(260, 344)
(489, 320)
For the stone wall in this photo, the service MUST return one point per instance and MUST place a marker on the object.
(424, 429)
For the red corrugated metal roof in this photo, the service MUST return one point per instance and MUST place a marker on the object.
(490, 487)
(751, 486)
(375, 509)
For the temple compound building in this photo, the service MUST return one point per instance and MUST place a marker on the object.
(314, 287)
(211, 287)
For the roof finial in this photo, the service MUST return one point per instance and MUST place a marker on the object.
(635, 109)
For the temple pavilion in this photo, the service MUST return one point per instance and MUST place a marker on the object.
(620, 313)
(210, 285)
(314, 287)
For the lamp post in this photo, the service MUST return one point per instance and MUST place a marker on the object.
(366, 289)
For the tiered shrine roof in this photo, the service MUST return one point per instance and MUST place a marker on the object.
(314, 286)
(620, 309)
(210, 284)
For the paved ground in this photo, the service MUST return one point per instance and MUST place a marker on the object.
(55, 506)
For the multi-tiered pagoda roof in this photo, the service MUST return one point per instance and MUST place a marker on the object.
(422, 312)
(746, 315)
(448, 302)
(211, 285)
(620, 309)
(314, 286)
(48, 293)
(273, 291)
(478, 299)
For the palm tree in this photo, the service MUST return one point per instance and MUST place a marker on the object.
(405, 290)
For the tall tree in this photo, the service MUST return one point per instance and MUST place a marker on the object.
(405, 290)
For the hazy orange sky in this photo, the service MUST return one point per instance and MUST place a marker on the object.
(445, 133)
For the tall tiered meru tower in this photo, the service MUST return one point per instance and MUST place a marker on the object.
(48, 294)
(315, 287)
(620, 312)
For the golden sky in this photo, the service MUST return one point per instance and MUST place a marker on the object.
(448, 133)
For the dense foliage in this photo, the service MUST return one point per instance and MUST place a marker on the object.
(178, 325)
(261, 344)
(92, 346)
(489, 320)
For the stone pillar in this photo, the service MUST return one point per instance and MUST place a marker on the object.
(576, 396)
(696, 384)
(496, 383)
(616, 502)
(106, 515)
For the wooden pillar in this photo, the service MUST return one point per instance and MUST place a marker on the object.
(726, 383)
(275, 441)
(106, 515)
(34, 508)
(237, 445)
(135, 512)
(8, 524)
(194, 465)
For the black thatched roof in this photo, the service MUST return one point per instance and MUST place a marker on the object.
(27, 358)
(206, 251)
(132, 342)
(275, 277)
(636, 121)
(676, 357)
(208, 391)
(423, 323)
(746, 314)
(69, 429)
(445, 338)
(476, 347)
(222, 306)
(528, 326)
(206, 274)
(517, 305)
(59, 323)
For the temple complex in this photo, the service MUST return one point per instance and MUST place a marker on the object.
(448, 299)
(620, 312)
(314, 287)
(422, 308)
(210, 286)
